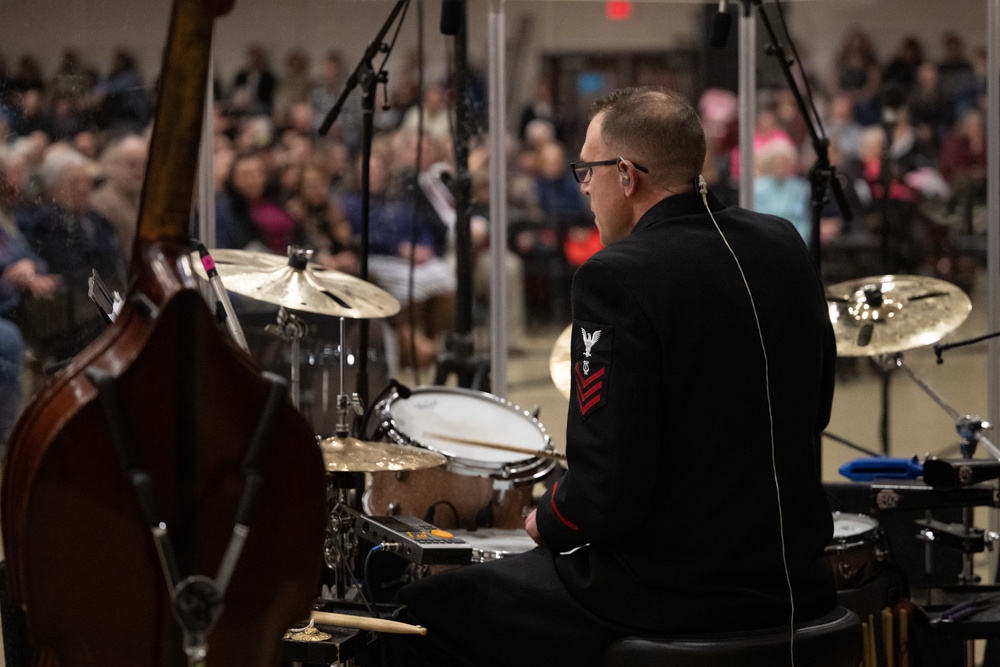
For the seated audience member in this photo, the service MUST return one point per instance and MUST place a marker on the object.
(902, 68)
(252, 90)
(253, 219)
(841, 127)
(22, 273)
(858, 75)
(322, 223)
(122, 99)
(401, 235)
(437, 123)
(962, 161)
(293, 86)
(958, 78)
(74, 241)
(482, 268)
(926, 106)
(117, 199)
(565, 228)
(779, 190)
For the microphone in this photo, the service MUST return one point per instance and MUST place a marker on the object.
(401, 389)
(452, 16)
(720, 26)
(222, 297)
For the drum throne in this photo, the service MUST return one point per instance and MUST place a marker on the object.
(833, 640)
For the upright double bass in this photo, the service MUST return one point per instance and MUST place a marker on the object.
(163, 503)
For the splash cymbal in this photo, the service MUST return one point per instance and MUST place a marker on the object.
(347, 454)
(560, 367)
(889, 314)
(298, 284)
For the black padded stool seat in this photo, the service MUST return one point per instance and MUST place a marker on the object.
(833, 640)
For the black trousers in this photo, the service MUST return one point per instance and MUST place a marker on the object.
(510, 612)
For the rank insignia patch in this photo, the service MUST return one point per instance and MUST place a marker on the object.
(591, 355)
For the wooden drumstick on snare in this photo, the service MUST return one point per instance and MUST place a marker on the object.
(538, 453)
(367, 623)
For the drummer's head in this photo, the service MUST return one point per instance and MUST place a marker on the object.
(651, 145)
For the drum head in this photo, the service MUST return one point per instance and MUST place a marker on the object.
(431, 412)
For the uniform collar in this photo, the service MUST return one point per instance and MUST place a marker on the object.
(686, 203)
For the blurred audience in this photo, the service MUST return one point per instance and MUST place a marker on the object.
(117, 199)
(72, 146)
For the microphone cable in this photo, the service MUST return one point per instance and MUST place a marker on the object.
(702, 188)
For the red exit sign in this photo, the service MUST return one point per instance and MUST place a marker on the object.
(618, 11)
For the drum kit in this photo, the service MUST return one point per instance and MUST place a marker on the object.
(420, 456)
(466, 461)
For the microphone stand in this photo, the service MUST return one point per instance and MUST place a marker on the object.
(367, 78)
(471, 370)
(822, 175)
(939, 349)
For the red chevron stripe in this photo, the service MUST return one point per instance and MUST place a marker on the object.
(588, 379)
(590, 392)
(584, 409)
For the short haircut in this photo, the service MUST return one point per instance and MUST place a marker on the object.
(58, 159)
(656, 127)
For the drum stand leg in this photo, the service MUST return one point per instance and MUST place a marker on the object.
(343, 491)
(969, 428)
(293, 328)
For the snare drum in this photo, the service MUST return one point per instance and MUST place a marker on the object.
(479, 486)
(857, 548)
(455, 414)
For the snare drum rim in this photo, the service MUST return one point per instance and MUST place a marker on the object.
(870, 536)
(518, 472)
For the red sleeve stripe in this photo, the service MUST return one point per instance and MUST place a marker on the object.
(552, 499)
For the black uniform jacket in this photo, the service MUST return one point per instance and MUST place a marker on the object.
(671, 483)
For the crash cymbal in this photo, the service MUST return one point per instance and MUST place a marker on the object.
(298, 284)
(889, 314)
(347, 454)
(560, 367)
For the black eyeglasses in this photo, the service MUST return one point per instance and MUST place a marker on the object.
(582, 171)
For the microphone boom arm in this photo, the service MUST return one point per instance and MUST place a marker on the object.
(363, 69)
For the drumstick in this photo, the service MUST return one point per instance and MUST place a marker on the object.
(872, 653)
(865, 640)
(540, 453)
(367, 623)
(887, 637)
(904, 637)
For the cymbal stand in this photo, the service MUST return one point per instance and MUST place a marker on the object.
(345, 403)
(343, 489)
(969, 428)
(292, 328)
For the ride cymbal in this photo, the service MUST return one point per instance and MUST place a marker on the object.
(560, 367)
(889, 314)
(298, 284)
(347, 454)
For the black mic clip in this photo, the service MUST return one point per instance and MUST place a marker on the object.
(402, 390)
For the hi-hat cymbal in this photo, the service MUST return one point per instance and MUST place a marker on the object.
(560, 367)
(889, 314)
(347, 454)
(298, 284)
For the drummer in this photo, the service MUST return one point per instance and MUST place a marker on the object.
(702, 358)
